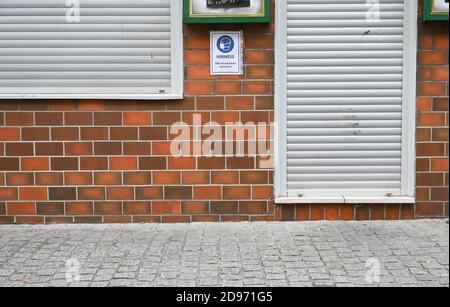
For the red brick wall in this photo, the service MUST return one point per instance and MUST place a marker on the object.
(97, 161)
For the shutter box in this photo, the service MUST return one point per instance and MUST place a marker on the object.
(345, 102)
(116, 49)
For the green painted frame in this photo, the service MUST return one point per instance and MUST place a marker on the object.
(189, 19)
(428, 14)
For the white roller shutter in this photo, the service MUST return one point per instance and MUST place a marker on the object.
(118, 49)
(345, 100)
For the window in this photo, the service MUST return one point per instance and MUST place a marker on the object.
(345, 101)
(122, 49)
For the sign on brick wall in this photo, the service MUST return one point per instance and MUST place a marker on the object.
(436, 10)
(226, 11)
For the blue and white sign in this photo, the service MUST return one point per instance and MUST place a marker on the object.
(226, 53)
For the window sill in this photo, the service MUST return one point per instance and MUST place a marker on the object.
(345, 200)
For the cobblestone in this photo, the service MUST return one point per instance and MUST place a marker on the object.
(320, 254)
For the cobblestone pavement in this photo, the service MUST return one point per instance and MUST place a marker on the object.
(407, 253)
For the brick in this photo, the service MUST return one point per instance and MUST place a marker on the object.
(430, 149)
(429, 209)
(153, 133)
(195, 207)
(253, 207)
(199, 73)
(27, 193)
(30, 220)
(198, 88)
(240, 103)
(166, 207)
(211, 163)
(430, 179)
(165, 177)
(9, 164)
(107, 178)
(441, 104)
(287, 213)
(205, 218)
(211, 103)
(224, 177)
(53, 220)
(262, 192)
(195, 177)
(50, 208)
(432, 88)
(439, 73)
(21, 208)
(152, 163)
(347, 212)
(9, 134)
(254, 177)
(91, 163)
(19, 119)
(119, 193)
(137, 208)
(317, 212)
(235, 218)
(107, 118)
(260, 72)
(259, 41)
(439, 194)
(236, 192)
(107, 148)
(65, 134)
(378, 212)
(440, 165)
(94, 133)
(392, 212)
(207, 192)
(224, 207)
(49, 149)
(32, 164)
(433, 57)
(49, 179)
(227, 88)
(257, 88)
(62, 193)
(137, 178)
(166, 118)
(181, 163)
(78, 118)
(8, 194)
(20, 179)
(146, 193)
(407, 212)
(193, 57)
(332, 212)
(264, 103)
(431, 119)
(78, 149)
(177, 192)
(19, 149)
(176, 219)
(88, 220)
(137, 118)
(49, 118)
(302, 213)
(107, 208)
(123, 163)
(79, 208)
(240, 163)
(91, 193)
(137, 148)
(35, 134)
(259, 57)
(440, 134)
(124, 133)
(225, 117)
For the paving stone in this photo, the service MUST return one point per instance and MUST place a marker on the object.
(310, 254)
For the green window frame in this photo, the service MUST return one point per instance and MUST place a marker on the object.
(191, 18)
